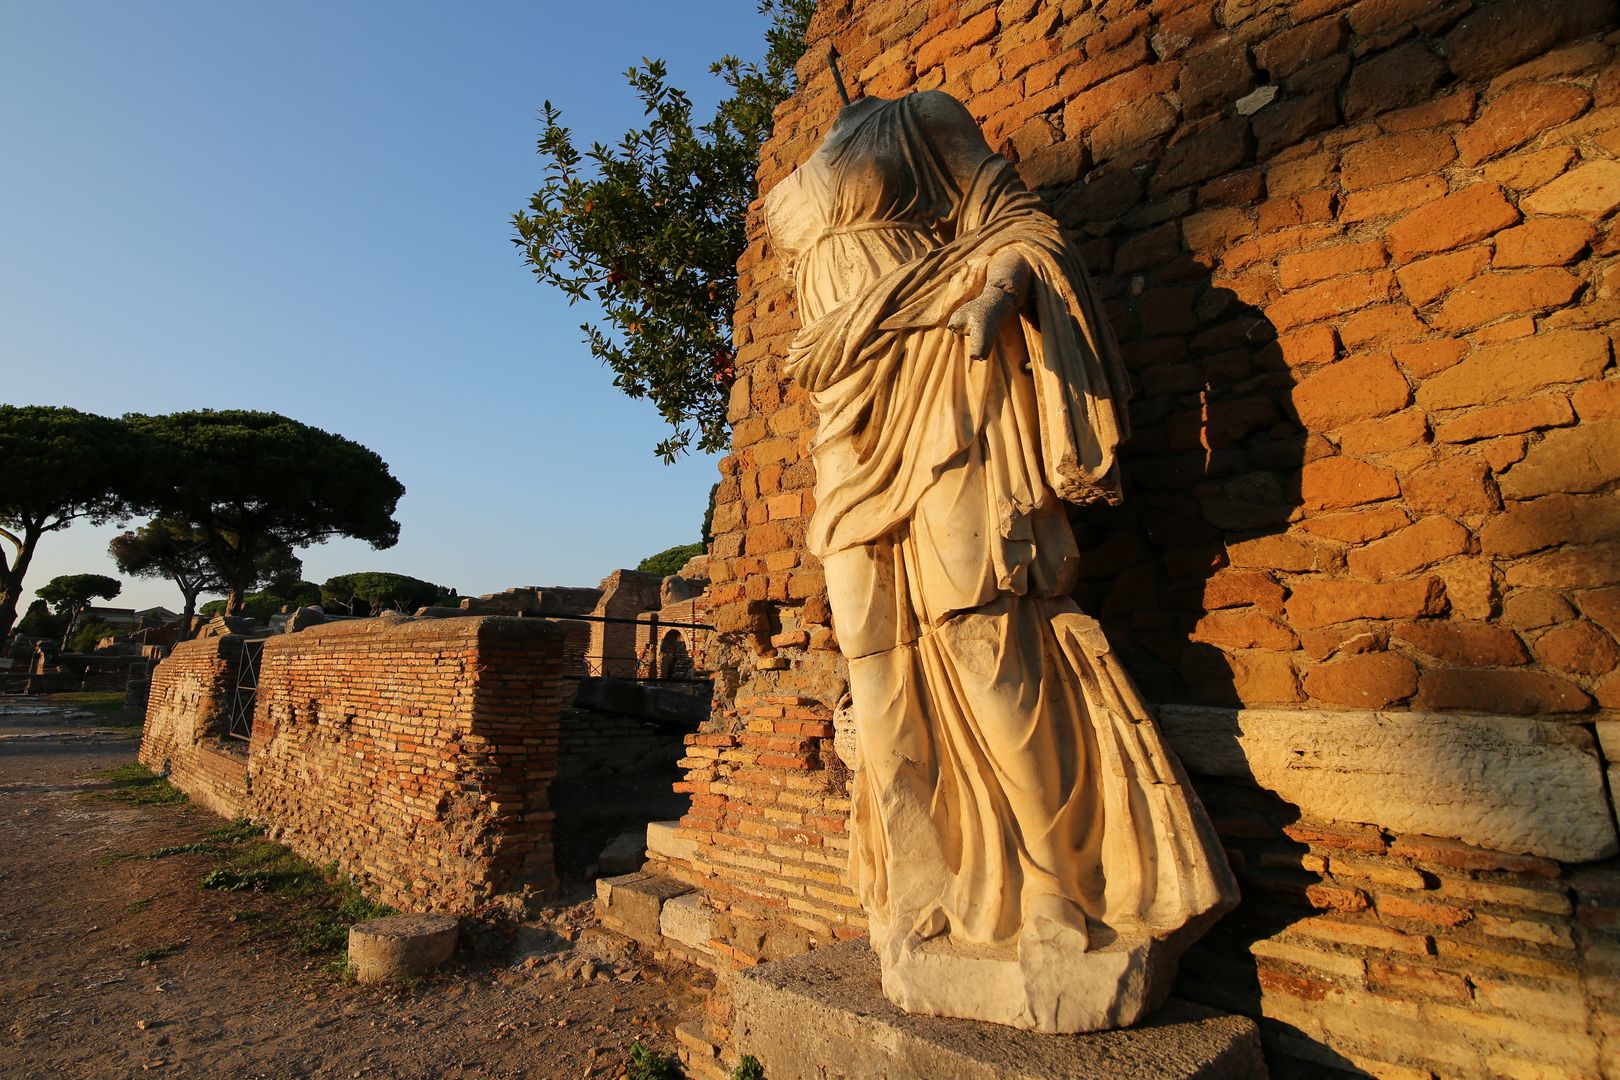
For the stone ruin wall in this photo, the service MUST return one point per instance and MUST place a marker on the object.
(184, 734)
(1360, 255)
(625, 595)
(416, 755)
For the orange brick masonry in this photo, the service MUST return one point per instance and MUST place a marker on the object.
(1370, 313)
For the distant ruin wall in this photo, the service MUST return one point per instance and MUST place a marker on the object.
(1361, 256)
(625, 595)
(184, 731)
(416, 755)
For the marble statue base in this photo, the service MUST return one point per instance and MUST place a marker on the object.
(1047, 983)
(823, 1016)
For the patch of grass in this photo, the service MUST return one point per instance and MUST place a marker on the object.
(261, 865)
(339, 968)
(330, 930)
(158, 952)
(135, 783)
(196, 847)
(748, 1068)
(330, 902)
(135, 907)
(239, 829)
(99, 701)
(320, 904)
(107, 705)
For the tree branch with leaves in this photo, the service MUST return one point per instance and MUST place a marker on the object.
(651, 230)
(57, 466)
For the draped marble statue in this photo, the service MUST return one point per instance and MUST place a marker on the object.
(1025, 845)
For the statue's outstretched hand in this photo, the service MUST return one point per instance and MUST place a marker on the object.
(980, 319)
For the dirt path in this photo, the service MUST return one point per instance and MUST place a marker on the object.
(76, 911)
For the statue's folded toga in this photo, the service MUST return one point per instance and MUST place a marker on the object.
(1025, 845)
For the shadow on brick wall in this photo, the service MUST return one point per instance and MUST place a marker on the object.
(1212, 465)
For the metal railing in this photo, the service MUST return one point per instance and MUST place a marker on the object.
(649, 659)
(239, 722)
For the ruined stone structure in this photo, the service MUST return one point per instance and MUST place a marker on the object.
(416, 755)
(625, 595)
(667, 633)
(186, 707)
(1360, 258)
(612, 649)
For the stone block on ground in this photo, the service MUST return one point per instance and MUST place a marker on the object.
(823, 1016)
(632, 904)
(688, 921)
(383, 949)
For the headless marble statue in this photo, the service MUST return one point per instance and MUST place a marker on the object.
(1025, 845)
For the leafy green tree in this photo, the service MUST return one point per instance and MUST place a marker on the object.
(87, 635)
(57, 466)
(670, 560)
(255, 483)
(169, 548)
(40, 622)
(299, 593)
(372, 592)
(271, 599)
(708, 515)
(70, 594)
(651, 229)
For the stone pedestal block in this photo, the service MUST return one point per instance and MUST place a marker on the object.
(823, 1016)
(688, 920)
(663, 839)
(382, 949)
(633, 903)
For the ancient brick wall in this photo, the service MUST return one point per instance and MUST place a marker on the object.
(186, 708)
(598, 746)
(576, 647)
(1399, 955)
(418, 756)
(625, 595)
(671, 635)
(1361, 257)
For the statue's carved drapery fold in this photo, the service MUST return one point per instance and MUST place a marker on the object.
(1025, 845)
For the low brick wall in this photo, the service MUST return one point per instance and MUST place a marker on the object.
(186, 708)
(417, 756)
(603, 745)
(767, 815)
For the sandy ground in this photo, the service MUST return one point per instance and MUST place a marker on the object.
(75, 1000)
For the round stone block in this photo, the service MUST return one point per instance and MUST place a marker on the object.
(382, 949)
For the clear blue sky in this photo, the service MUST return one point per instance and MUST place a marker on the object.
(303, 207)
